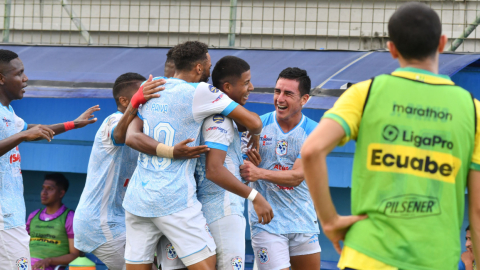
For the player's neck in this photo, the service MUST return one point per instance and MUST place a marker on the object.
(429, 64)
(187, 76)
(53, 208)
(4, 100)
(290, 123)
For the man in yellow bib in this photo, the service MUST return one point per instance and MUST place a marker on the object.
(418, 146)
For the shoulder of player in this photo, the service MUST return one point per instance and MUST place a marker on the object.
(267, 118)
(309, 125)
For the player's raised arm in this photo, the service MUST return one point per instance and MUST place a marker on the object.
(35, 133)
(251, 121)
(147, 91)
(141, 142)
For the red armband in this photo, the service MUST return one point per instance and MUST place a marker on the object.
(137, 98)
(69, 125)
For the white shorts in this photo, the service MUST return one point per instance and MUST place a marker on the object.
(229, 235)
(14, 249)
(273, 251)
(112, 253)
(187, 230)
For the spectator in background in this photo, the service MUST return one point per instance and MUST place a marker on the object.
(467, 261)
(50, 228)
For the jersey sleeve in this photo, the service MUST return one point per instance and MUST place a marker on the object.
(20, 124)
(208, 100)
(475, 164)
(348, 110)
(107, 134)
(218, 132)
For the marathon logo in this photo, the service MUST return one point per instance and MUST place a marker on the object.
(421, 113)
(46, 240)
(410, 206)
(410, 160)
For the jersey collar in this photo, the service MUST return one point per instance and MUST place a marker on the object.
(422, 75)
(280, 128)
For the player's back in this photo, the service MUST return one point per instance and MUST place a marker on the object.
(161, 186)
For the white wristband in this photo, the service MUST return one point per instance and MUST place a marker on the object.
(252, 195)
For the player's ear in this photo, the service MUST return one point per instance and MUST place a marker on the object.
(393, 50)
(2, 79)
(124, 101)
(199, 68)
(304, 99)
(226, 87)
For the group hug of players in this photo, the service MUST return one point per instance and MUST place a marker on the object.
(169, 171)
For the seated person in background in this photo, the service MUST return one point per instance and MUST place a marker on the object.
(467, 261)
(50, 228)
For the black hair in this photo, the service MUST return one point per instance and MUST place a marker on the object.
(188, 54)
(299, 75)
(60, 180)
(123, 82)
(169, 56)
(228, 68)
(415, 29)
(6, 56)
(468, 228)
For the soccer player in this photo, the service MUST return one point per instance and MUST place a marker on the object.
(219, 186)
(417, 144)
(291, 239)
(161, 198)
(14, 251)
(99, 221)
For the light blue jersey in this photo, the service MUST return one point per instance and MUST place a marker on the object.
(163, 186)
(12, 203)
(100, 216)
(220, 132)
(292, 206)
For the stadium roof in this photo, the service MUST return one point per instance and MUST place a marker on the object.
(89, 72)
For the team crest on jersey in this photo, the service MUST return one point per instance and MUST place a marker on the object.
(170, 251)
(218, 118)
(237, 263)
(213, 89)
(262, 255)
(22, 263)
(208, 230)
(281, 148)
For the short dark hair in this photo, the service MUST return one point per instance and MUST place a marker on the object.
(187, 54)
(228, 68)
(60, 180)
(299, 75)
(6, 56)
(415, 29)
(169, 56)
(123, 82)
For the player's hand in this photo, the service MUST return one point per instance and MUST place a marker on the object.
(263, 209)
(151, 87)
(249, 171)
(42, 264)
(86, 118)
(254, 142)
(254, 156)
(182, 151)
(467, 258)
(337, 229)
(38, 132)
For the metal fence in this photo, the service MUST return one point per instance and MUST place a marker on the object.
(287, 24)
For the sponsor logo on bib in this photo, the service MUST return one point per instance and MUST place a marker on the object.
(281, 148)
(170, 251)
(410, 206)
(262, 255)
(237, 263)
